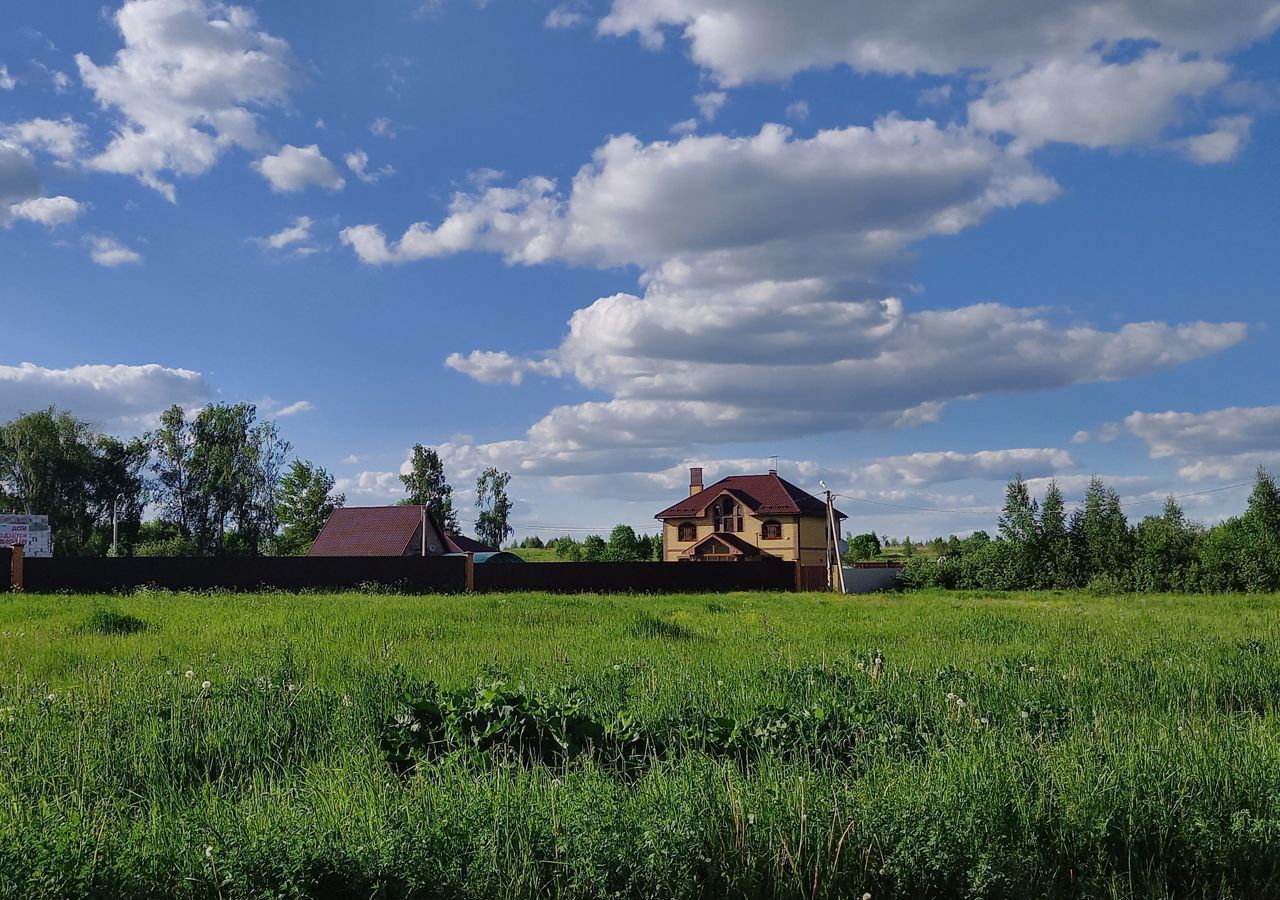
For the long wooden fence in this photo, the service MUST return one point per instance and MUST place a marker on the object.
(408, 574)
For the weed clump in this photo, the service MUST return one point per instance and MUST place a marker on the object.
(647, 625)
(110, 622)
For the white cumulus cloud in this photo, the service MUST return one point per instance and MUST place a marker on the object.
(107, 251)
(1095, 103)
(61, 138)
(296, 236)
(728, 209)
(186, 85)
(117, 396)
(1223, 144)
(358, 162)
(48, 210)
(298, 168)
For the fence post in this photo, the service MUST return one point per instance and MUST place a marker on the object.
(471, 572)
(15, 568)
(799, 577)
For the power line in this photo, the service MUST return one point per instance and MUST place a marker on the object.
(963, 511)
(987, 511)
(1229, 487)
(971, 511)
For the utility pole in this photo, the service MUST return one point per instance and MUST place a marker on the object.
(115, 523)
(827, 541)
(835, 575)
(424, 529)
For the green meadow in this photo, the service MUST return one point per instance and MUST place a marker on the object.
(743, 745)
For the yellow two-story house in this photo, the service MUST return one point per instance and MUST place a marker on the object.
(746, 517)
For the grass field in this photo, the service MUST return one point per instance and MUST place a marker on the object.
(929, 745)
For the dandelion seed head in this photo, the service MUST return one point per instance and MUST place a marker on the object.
(205, 685)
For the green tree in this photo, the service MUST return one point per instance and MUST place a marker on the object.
(1100, 534)
(864, 546)
(1164, 550)
(567, 549)
(425, 485)
(53, 464)
(1054, 552)
(594, 549)
(1259, 536)
(624, 546)
(1020, 532)
(494, 507)
(217, 476)
(305, 502)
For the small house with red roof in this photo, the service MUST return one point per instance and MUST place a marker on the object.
(389, 531)
(746, 517)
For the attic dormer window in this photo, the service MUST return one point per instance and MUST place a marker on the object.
(727, 515)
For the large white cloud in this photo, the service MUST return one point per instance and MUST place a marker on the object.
(1220, 444)
(1235, 429)
(1053, 70)
(1096, 103)
(728, 210)
(747, 40)
(763, 316)
(186, 84)
(936, 467)
(670, 391)
(115, 396)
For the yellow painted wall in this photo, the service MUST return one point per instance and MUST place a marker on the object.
(813, 541)
(784, 548)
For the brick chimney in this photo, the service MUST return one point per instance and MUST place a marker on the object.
(695, 480)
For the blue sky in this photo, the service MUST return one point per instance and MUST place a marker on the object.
(908, 248)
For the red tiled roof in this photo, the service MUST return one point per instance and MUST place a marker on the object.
(760, 494)
(368, 531)
(460, 543)
(728, 538)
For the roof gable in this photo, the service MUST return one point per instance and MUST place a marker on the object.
(731, 542)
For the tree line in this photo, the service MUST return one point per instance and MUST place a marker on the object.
(1038, 546)
(622, 545)
(218, 481)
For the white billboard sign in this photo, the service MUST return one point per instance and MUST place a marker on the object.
(31, 532)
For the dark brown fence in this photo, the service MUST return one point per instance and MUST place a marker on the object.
(431, 574)
(812, 578)
(655, 577)
(414, 574)
(5, 554)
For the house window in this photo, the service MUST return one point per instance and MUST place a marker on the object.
(688, 532)
(771, 530)
(727, 516)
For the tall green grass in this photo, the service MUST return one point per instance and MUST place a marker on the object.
(932, 745)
